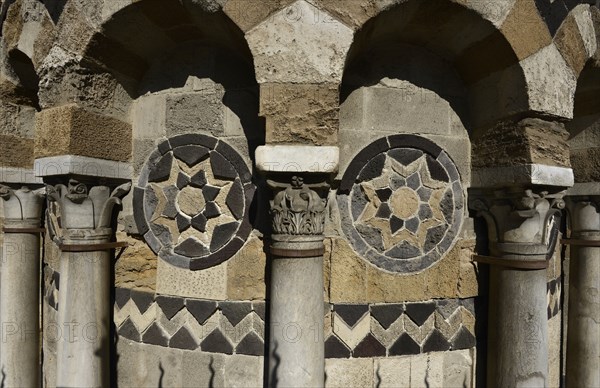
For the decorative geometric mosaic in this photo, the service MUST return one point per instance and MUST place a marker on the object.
(403, 203)
(193, 200)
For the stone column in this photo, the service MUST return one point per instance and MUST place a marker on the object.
(523, 227)
(81, 220)
(296, 348)
(583, 333)
(20, 280)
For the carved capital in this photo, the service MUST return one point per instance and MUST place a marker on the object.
(298, 208)
(22, 204)
(529, 217)
(78, 205)
(584, 214)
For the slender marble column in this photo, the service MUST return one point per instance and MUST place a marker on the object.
(296, 348)
(583, 333)
(20, 279)
(85, 265)
(522, 232)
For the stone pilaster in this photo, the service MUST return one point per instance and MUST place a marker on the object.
(81, 219)
(523, 228)
(19, 308)
(583, 339)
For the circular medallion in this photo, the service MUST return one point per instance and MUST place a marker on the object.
(402, 203)
(192, 201)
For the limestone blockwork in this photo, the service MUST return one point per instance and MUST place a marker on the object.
(192, 201)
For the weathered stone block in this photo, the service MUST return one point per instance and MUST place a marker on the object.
(209, 283)
(136, 267)
(571, 45)
(191, 112)
(305, 113)
(525, 29)
(244, 371)
(353, 13)
(246, 272)
(148, 117)
(16, 151)
(526, 142)
(248, 13)
(586, 164)
(356, 372)
(348, 273)
(71, 130)
(143, 365)
(300, 44)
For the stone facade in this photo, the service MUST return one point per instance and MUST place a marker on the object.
(323, 193)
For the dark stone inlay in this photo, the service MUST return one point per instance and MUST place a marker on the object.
(359, 162)
(182, 180)
(210, 192)
(183, 222)
(413, 141)
(404, 251)
(396, 224)
(142, 300)
(405, 345)
(162, 169)
(372, 236)
(164, 147)
(236, 160)
(396, 182)
(150, 202)
(447, 206)
(154, 335)
(201, 309)
(191, 154)
(222, 234)
(425, 212)
(335, 348)
(358, 202)
(199, 223)
(351, 313)
(556, 309)
(384, 211)
(260, 309)
(221, 255)
(199, 179)
(138, 210)
(251, 345)
(216, 342)
(235, 199)
(221, 167)
(436, 171)
(191, 248)
(447, 307)
(373, 169)
(405, 155)
(387, 314)
(414, 181)
(211, 210)
(424, 194)
(122, 296)
(235, 311)
(183, 339)
(419, 312)
(434, 236)
(384, 194)
(51, 301)
(369, 347)
(463, 339)
(413, 224)
(436, 342)
(129, 331)
(171, 195)
(549, 312)
(193, 138)
(170, 305)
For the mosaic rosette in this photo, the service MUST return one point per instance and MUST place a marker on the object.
(192, 201)
(403, 203)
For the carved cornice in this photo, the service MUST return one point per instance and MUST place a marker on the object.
(80, 206)
(22, 204)
(297, 209)
(530, 217)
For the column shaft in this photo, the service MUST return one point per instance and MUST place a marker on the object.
(297, 316)
(583, 333)
(19, 308)
(518, 329)
(84, 314)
